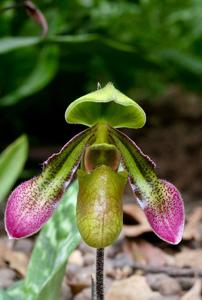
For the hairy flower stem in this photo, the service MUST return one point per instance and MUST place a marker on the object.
(100, 274)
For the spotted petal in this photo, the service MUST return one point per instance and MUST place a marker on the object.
(160, 200)
(33, 202)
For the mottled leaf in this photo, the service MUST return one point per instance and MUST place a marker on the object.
(47, 265)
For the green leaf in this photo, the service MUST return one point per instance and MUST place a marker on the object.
(43, 73)
(48, 261)
(188, 62)
(56, 242)
(12, 161)
(108, 105)
(98, 39)
(14, 292)
(73, 39)
(13, 43)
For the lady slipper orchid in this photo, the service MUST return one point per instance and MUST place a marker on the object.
(95, 156)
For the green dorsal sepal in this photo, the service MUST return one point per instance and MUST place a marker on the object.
(99, 205)
(106, 105)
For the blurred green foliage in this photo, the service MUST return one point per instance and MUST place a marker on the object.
(144, 44)
(12, 161)
(141, 46)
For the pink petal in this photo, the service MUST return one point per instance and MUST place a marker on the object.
(33, 202)
(160, 200)
(27, 209)
(165, 213)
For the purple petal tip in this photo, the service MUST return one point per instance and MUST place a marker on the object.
(166, 216)
(26, 210)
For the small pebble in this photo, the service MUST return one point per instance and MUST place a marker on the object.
(121, 260)
(127, 271)
(170, 286)
(164, 284)
(72, 270)
(84, 274)
(89, 259)
(9, 243)
(84, 295)
(86, 249)
(66, 293)
(114, 249)
(167, 298)
(80, 280)
(76, 258)
(24, 245)
(7, 277)
(186, 283)
(154, 279)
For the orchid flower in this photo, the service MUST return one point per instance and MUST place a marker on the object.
(94, 156)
